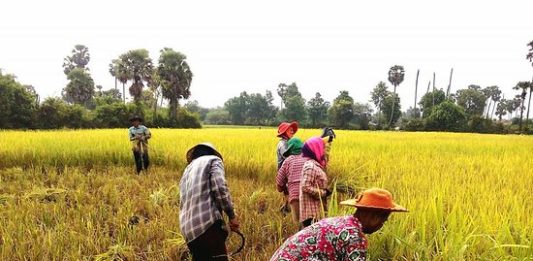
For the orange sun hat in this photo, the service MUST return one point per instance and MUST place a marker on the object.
(284, 126)
(375, 198)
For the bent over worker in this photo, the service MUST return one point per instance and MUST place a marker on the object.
(290, 174)
(139, 136)
(204, 196)
(341, 238)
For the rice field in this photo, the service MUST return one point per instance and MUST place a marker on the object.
(73, 195)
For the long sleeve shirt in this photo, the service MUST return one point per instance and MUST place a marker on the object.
(338, 238)
(290, 175)
(204, 195)
(282, 147)
(312, 191)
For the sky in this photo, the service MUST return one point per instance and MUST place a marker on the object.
(234, 46)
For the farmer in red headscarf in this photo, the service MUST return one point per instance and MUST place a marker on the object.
(341, 238)
(286, 131)
(314, 183)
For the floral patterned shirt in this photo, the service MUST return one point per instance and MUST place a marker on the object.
(337, 238)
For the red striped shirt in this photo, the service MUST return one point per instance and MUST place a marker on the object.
(289, 176)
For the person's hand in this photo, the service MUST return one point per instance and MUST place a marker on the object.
(234, 224)
(328, 132)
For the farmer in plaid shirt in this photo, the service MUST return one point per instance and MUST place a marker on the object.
(314, 182)
(204, 196)
(290, 173)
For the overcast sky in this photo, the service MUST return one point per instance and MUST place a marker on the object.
(252, 46)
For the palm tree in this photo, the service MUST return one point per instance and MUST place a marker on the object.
(524, 86)
(175, 78)
(396, 75)
(501, 109)
(79, 58)
(495, 96)
(137, 68)
(529, 104)
(530, 53)
(118, 70)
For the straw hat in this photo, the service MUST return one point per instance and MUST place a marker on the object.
(284, 126)
(204, 144)
(136, 118)
(375, 198)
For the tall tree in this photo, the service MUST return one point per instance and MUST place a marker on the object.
(294, 104)
(341, 111)
(446, 116)
(495, 96)
(529, 104)
(237, 108)
(472, 99)
(17, 104)
(117, 69)
(377, 96)
(501, 109)
(282, 90)
(513, 105)
(176, 77)
(317, 109)
(396, 76)
(430, 100)
(523, 87)
(79, 58)
(391, 106)
(80, 89)
(138, 69)
(530, 53)
(416, 89)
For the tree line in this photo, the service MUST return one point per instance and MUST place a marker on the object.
(83, 104)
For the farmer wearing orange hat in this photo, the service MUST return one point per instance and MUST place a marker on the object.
(341, 238)
(286, 131)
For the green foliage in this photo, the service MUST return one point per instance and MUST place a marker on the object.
(472, 99)
(342, 110)
(54, 110)
(194, 107)
(218, 116)
(413, 124)
(254, 109)
(480, 125)
(362, 114)
(187, 120)
(79, 58)
(431, 99)
(175, 77)
(114, 115)
(107, 97)
(388, 104)
(446, 117)
(80, 89)
(136, 66)
(17, 104)
(294, 104)
(317, 109)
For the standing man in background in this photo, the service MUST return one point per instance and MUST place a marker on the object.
(139, 136)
